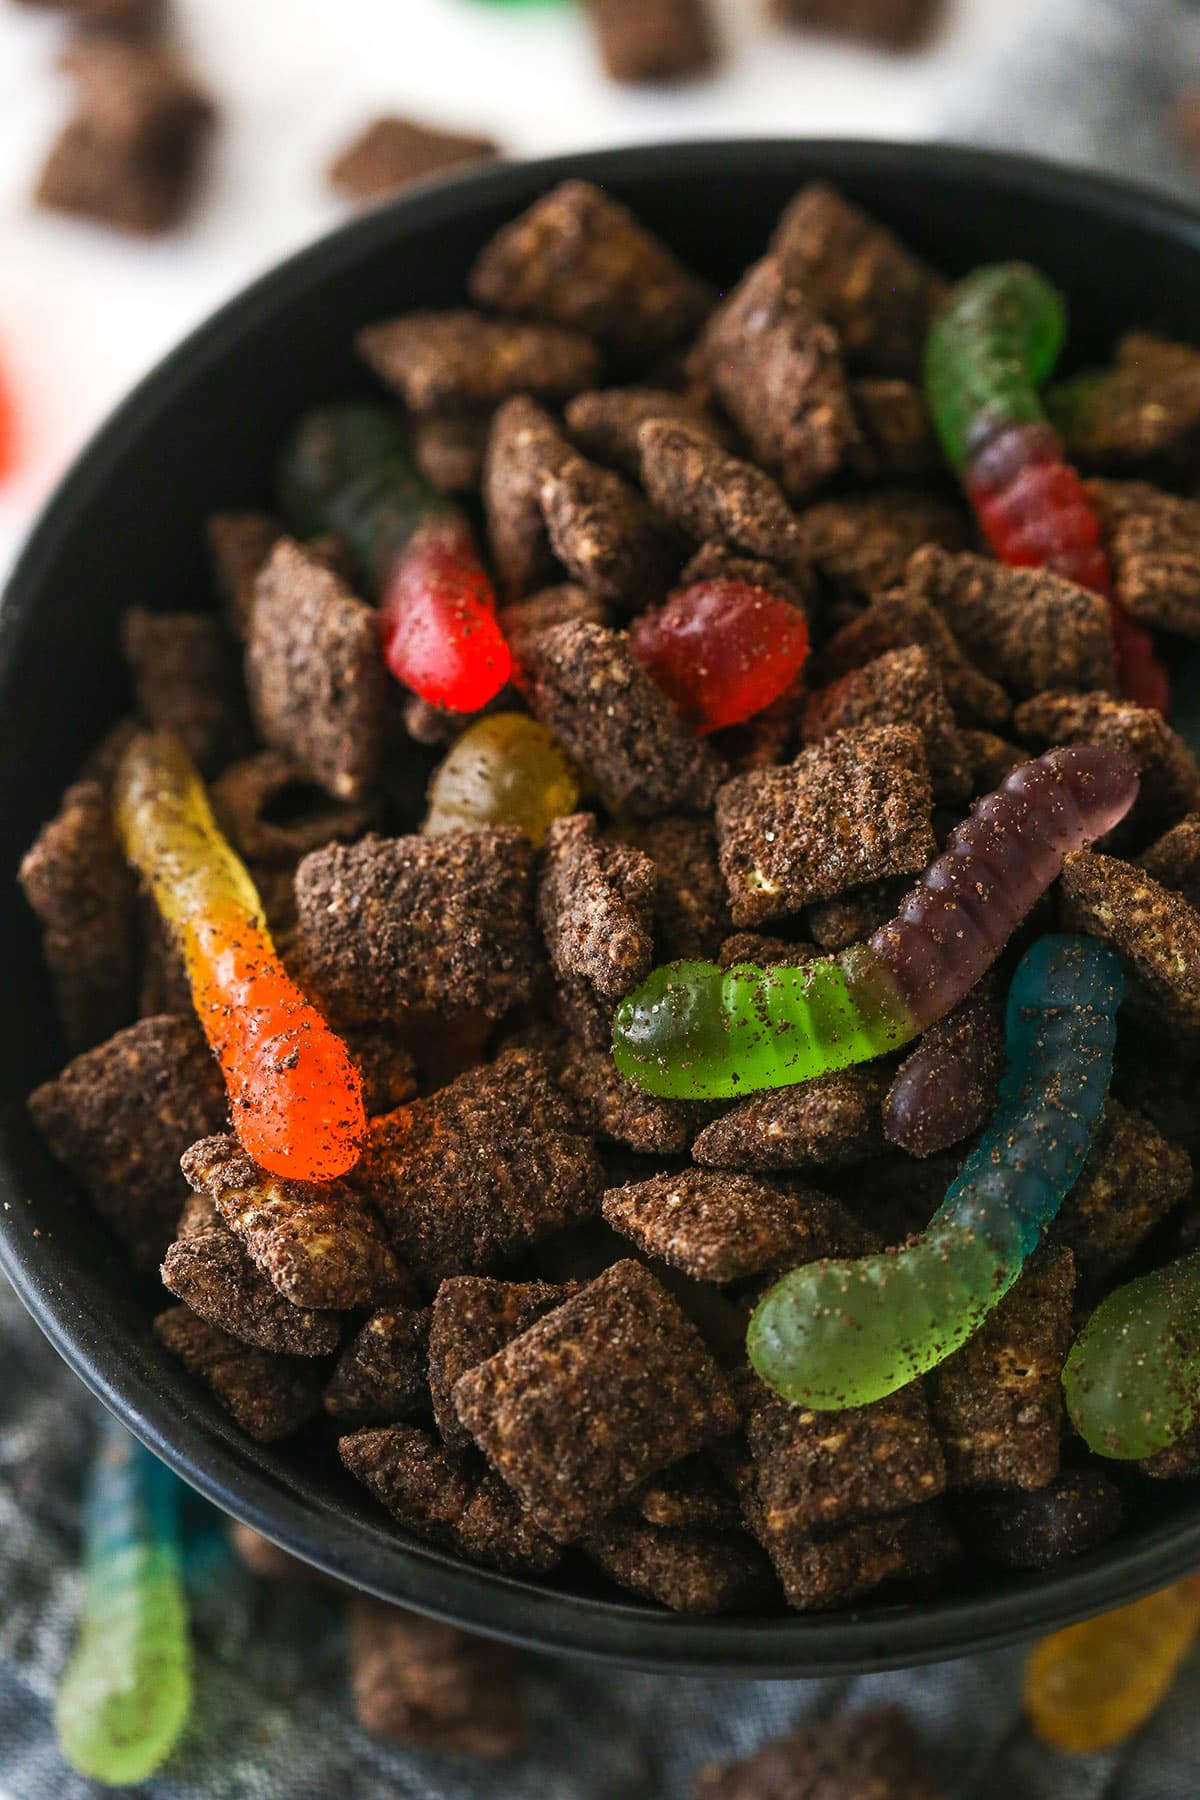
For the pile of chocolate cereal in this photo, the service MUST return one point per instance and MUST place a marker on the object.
(519, 1322)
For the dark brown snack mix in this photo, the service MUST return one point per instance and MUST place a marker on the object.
(566, 604)
(833, 1121)
(777, 370)
(317, 681)
(616, 725)
(595, 1397)
(711, 496)
(579, 258)
(686, 1570)
(605, 422)
(758, 947)
(902, 687)
(990, 759)
(1144, 412)
(1179, 1461)
(470, 1176)
(135, 18)
(997, 1403)
(387, 1067)
(691, 1495)
(462, 362)
(1174, 859)
(717, 562)
(595, 901)
(691, 913)
(75, 878)
(961, 1054)
(390, 152)
(316, 1242)
(186, 680)
(857, 913)
(654, 40)
(1132, 1178)
(208, 1269)
(603, 534)
(417, 1681)
(382, 1374)
(450, 449)
(847, 811)
(721, 1227)
(272, 813)
(897, 441)
(1154, 549)
(524, 446)
(269, 1396)
(861, 1756)
(1154, 928)
(121, 1115)
(473, 1317)
(617, 1111)
(896, 621)
(445, 923)
(1076, 1512)
(877, 295)
(1170, 779)
(239, 545)
(842, 1566)
(861, 545)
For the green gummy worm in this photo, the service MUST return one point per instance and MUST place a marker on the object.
(1132, 1380)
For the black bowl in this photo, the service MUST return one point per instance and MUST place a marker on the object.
(125, 528)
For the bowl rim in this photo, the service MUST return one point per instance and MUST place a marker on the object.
(400, 1570)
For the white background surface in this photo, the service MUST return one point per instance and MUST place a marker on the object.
(83, 312)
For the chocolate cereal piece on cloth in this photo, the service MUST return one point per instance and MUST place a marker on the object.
(579, 258)
(860, 1756)
(185, 680)
(894, 622)
(654, 40)
(723, 1227)
(997, 1403)
(468, 1177)
(120, 1117)
(877, 295)
(316, 1242)
(444, 924)
(849, 810)
(207, 1267)
(902, 687)
(473, 1317)
(833, 1121)
(1132, 1178)
(462, 362)
(616, 725)
(317, 682)
(239, 545)
(390, 152)
(599, 1394)
(270, 1397)
(134, 18)
(1155, 929)
(1154, 548)
(687, 1570)
(417, 1681)
(382, 1374)
(75, 878)
(711, 496)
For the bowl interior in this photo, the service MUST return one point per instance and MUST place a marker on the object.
(126, 528)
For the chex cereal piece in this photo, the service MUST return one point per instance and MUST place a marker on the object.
(688, 1570)
(563, 604)
(524, 446)
(720, 1227)
(472, 1318)
(617, 1110)
(990, 758)
(130, 156)
(1143, 411)
(120, 1117)
(817, 1470)
(483, 1167)
(614, 722)
(317, 1242)
(1031, 628)
(1154, 928)
(759, 947)
(460, 361)
(1170, 779)
(317, 681)
(997, 1403)
(843, 1565)
(888, 24)
(897, 441)
(417, 1681)
(1076, 1512)
(444, 922)
(269, 1397)
(450, 450)
(1132, 1178)
(861, 544)
(777, 369)
(185, 680)
(390, 152)
(1174, 859)
(895, 621)
(717, 562)
(75, 878)
(577, 1412)
(411, 1475)
(654, 40)
(605, 422)
(603, 534)
(962, 1052)
(711, 496)
(835, 1120)
(691, 913)
(861, 1756)
(691, 1495)
(135, 18)
(1154, 548)
(578, 258)
(239, 545)
(847, 811)
(594, 907)
(383, 1373)
(902, 687)
(208, 1269)
(272, 813)
(859, 912)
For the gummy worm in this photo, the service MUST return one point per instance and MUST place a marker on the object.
(296, 1096)
(695, 1031)
(1132, 1379)
(845, 1333)
(505, 769)
(987, 354)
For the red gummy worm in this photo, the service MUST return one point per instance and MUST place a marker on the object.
(441, 637)
(721, 650)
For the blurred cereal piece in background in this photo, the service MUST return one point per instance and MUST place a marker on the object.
(416, 1681)
(130, 156)
(860, 1756)
(129, 18)
(391, 152)
(891, 24)
(654, 40)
